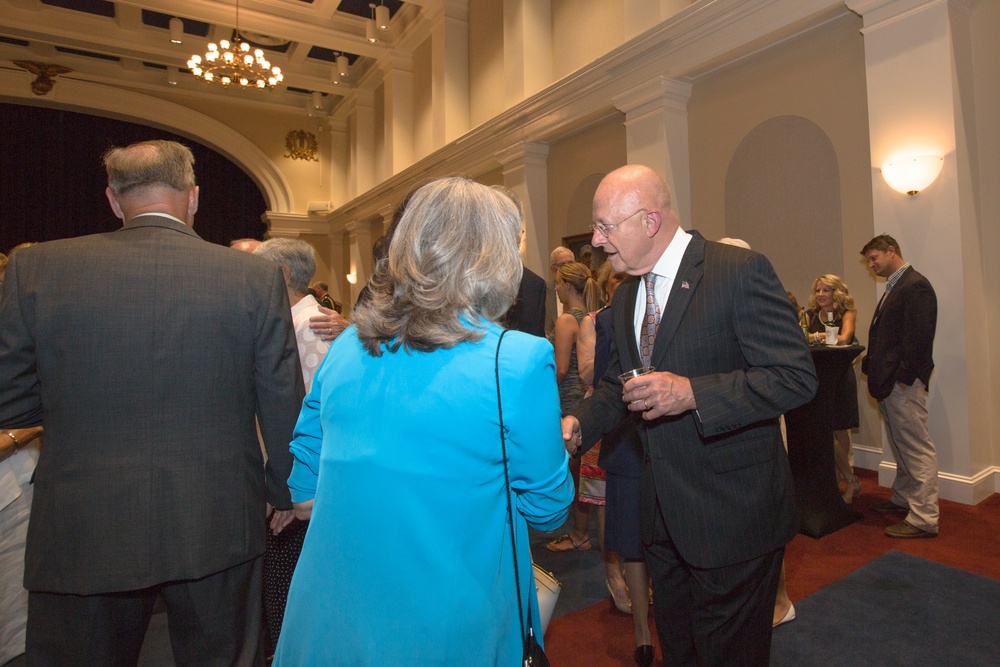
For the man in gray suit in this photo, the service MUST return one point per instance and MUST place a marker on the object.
(729, 359)
(146, 353)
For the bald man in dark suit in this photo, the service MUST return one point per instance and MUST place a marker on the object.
(146, 354)
(717, 503)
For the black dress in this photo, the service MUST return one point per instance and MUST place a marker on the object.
(845, 411)
(621, 458)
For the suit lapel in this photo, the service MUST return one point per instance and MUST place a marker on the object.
(689, 275)
(627, 293)
(892, 294)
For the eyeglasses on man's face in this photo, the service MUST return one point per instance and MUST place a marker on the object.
(606, 230)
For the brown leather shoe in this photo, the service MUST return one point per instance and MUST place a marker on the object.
(888, 506)
(905, 531)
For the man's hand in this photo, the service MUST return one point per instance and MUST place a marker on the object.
(278, 519)
(329, 325)
(572, 436)
(658, 394)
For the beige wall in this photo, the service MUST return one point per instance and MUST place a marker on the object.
(575, 165)
(583, 30)
(266, 128)
(819, 77)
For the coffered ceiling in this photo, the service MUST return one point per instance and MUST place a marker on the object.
(127, 43)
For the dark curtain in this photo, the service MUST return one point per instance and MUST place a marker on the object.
(53, 181)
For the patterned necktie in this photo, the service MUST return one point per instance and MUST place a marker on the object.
(650, 323)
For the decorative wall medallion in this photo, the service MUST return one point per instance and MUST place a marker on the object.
(301, 145)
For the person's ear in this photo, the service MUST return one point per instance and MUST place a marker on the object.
(192, 202)
(115, 206)
(651, 222)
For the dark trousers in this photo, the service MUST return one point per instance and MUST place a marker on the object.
(712, 617)
(214, 620)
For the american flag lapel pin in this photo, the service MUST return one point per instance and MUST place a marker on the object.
(685, 284)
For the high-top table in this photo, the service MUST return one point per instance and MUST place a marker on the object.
(822, 509)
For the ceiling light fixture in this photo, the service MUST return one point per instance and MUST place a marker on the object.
(371, 32)
(382, 16)
(176, 30)
(172, 76)
(342, 65)
(234, 63)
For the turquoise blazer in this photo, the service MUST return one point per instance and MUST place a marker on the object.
(407, 559)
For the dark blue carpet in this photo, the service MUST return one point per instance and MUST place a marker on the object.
(581, 573)
(896, 610)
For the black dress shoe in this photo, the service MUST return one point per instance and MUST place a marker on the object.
(644, 655)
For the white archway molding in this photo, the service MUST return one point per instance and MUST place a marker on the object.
(75, 95)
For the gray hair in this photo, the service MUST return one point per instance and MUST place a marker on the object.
(297, 255)
(453, 263)
(149, 163)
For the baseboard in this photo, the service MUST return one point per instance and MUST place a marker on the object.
(969, 490)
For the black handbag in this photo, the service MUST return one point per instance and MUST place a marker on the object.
(533, 655)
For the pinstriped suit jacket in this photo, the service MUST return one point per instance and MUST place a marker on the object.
(146, 352)
(720, 475)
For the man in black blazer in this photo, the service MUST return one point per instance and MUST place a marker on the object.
(146, 353)
(729, 358)
(898, 366)
(528, 312)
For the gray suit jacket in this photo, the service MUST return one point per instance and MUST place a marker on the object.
(146, 353)
(719, 475)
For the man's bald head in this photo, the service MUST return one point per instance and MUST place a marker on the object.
(632, 206)
(246, 245)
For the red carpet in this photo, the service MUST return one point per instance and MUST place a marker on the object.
(599, 635)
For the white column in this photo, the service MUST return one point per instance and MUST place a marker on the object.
(361, 119)
(525, 171)
(656, 134)
(398, 86)
(527, 48)
(918, 62)
(449, 70)
(358, 237)
(339, 150)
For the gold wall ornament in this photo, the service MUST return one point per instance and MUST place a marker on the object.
(301, 145)
(45, 74)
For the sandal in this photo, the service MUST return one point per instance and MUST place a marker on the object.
(623, 602)
(566, 543)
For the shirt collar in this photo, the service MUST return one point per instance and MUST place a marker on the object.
(670, 261)
(894, 278)
(303, 303)
(162, 215)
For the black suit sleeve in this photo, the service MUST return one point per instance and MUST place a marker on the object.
(919, 322)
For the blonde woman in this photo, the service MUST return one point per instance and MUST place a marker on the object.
(831, 301)
(579, 294)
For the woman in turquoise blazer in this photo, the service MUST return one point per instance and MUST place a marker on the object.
(398, 459)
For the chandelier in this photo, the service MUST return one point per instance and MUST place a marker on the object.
(233, 63)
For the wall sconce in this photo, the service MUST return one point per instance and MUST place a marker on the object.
(910, 175)
(352, 278)
(176, 30)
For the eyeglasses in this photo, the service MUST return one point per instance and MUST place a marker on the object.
(606, 230)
